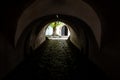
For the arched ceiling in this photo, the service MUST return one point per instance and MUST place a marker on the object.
(76, 8)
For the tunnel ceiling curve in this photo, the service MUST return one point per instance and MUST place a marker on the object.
(77, 8)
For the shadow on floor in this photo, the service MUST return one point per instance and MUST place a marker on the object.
(56, 60)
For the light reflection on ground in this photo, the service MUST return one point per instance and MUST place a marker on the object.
(58, 37)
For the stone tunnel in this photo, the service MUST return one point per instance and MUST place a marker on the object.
(36, 48)
(93, 40)
(85, 28)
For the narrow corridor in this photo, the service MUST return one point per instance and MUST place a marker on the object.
(56, 60)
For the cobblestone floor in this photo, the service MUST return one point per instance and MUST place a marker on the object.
(56, 60)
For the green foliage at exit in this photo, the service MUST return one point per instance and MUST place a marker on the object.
(55, 24)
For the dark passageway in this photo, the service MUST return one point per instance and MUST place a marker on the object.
(56, 60)
(94, 30)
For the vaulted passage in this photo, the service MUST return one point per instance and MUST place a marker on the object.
(29, 49)
(56, 60)
(47, 59)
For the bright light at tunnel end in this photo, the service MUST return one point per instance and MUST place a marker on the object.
(57, 30)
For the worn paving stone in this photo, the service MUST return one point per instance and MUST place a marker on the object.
(57, 56)
(56, 60)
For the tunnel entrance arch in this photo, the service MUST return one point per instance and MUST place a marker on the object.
(57, 30)
(80, 9)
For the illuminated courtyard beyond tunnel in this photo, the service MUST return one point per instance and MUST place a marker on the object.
(57, 30)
